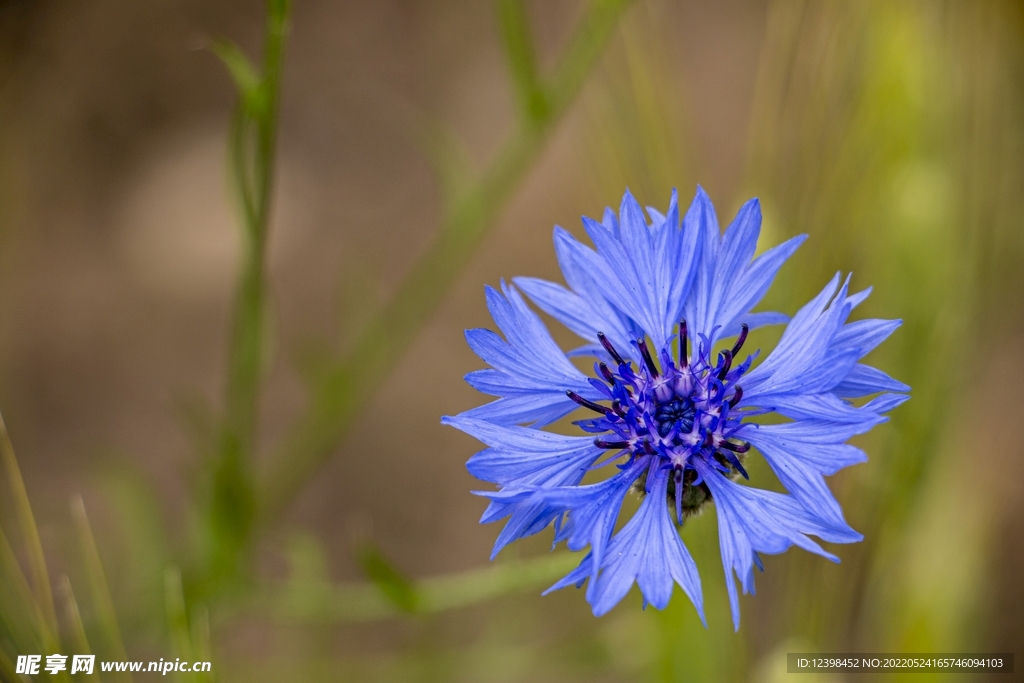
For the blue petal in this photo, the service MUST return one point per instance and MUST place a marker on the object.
(518, 363)
(527, 334)
(797, 464)
(865, 335)
(700, 219)
(516, 453)
(592, 277)
(576, 577)
(728, 284)
(734, 253)
(819, 353)
(538, 410)
(639, 245)
(646, 550)
(593, 509)
(522, 458)
(638, 277)
(498, 383)
(819, 443)
(528, 369)
(886, 402)
(568, 308)
(525, 519)
(856, 299)
(751, 521)
(753, 321)
(611, 221)
(825, 406)
(803, 361)
(630, 286)
(586, 315)
(863, 380)
(752, 284)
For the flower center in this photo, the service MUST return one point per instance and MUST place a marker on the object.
(674, 415)
(687, 409)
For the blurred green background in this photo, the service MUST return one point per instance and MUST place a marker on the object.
(232, 303)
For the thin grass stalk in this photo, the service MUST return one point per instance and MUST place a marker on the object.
(252, 154)
(177, 618)
(254, 147)
(7, 668)
(29, 532)
(103, 602)
(73, 619)
(24, 618)
(334, 603)
(201, 644)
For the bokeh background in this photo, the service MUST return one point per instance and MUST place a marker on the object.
(891, 132)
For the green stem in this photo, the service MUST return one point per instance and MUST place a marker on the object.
(338, 398)
(247, 338)
(522, 62)
(354, 602)
(252, 154)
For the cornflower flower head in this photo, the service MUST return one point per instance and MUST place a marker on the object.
(670, 402)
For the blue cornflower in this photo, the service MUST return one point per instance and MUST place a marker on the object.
(654, 301)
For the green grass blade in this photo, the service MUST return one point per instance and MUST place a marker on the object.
(7, 671)
(324, 602)
(242, 71)
(177, 617)
(26, 626)
(522, 61)
(73, 618)
(103, 603)
(389, 580)
(201, 640)
(252, 152)
(29, 532)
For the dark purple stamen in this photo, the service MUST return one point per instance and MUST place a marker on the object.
(709, 439)
(648, 361)
(742, 338)
(617, 445)
(617, 408)
(726, 364)
(606, 373)
(684, 344)
(735, 462)
(736, 397)
(596, 407)
(649, 448)
(742, 447)
(609, 348)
